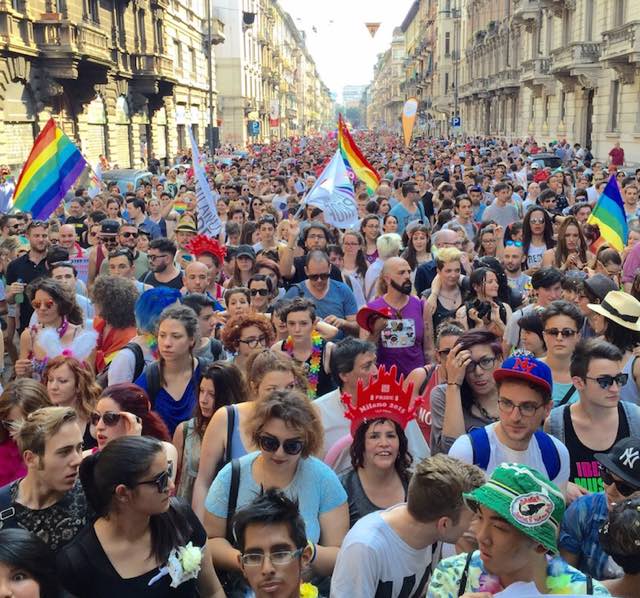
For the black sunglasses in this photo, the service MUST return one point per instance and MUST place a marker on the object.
(605, 381)
(270, 444)
(323, 276)
(565, 332)
(261, 292)
(161, 481)
(127, 235)
(622, 487)
(109, 418)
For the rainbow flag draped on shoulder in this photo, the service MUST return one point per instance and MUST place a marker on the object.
(610, 217)
(352, 155)
(53, 166)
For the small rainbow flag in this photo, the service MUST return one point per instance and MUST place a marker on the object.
(354, 159)
(53, 166)
(180, 207)
(610, 217)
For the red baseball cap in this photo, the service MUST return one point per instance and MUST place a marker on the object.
(367, 315)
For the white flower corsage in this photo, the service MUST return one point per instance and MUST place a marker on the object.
(182, 565)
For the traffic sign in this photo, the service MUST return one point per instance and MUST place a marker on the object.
(456, 121)
(254, 128)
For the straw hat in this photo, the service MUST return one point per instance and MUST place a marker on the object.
(621, 308)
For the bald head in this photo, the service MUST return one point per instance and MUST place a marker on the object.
(67, 236)
(396, 272)
(196, 277)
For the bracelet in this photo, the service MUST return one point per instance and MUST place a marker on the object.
(453, 384)
(314, 551)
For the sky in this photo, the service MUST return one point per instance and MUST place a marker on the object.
(341, 46)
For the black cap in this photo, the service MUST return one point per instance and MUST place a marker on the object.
(245, 250)
(623, 460)
(109, 227)
(600, 285)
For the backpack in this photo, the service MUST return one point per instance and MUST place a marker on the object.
(482, 450)
(103, 377)
(555, 422)
(7, 511)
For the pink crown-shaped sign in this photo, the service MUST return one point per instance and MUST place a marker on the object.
(383, 397)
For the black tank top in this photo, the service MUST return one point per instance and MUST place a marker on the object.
(585, 470)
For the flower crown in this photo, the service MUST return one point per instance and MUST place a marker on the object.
(202, 244)
(383, 397)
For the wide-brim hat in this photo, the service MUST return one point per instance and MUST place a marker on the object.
(621, 308)
(525, 499)
(366, 316)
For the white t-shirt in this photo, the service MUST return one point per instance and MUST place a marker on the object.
(500, 453)
(375, 561)
(336, 426)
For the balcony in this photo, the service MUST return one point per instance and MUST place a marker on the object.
(93, 44)
(525, 11)
(149, 70)
(217, 32)
(535, 72)
(574, 60)
(58, 42)
(621, 49)
(555, 6)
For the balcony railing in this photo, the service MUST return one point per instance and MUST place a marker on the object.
(93, 43)
(535, 71)
(574, 55)
(622, 44)
(525, 10)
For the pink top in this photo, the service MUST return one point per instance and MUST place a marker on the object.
(11, 465)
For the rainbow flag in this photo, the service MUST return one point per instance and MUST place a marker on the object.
(53, 166)
(610, 217)
(354, 159)
(180, 207)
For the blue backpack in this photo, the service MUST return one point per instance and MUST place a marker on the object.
(482, 450)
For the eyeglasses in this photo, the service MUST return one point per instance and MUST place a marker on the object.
(47, 304)
(606, 381)
(323, 276)
(565, 332)
(129, 235)
(110, 240)
(270, 444)
(525, 409)
(157, 256)
(254, 341)
(161, 481)
(513, 243)
(608, 479)
(485, 363)
(278, 559)
(261, 292)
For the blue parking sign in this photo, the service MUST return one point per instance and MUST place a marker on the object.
(456, 121)
(254, 128)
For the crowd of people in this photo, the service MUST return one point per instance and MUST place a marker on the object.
(442, 401)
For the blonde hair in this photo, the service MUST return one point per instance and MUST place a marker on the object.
(389, 245)
(32, 433)
(446, 255)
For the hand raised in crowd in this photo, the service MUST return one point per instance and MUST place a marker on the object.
(457, 362)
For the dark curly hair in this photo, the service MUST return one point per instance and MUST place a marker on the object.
(231, 332)
(63, 298)
(404, 458)
(116, 299)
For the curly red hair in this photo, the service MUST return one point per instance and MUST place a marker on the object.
(234, 327)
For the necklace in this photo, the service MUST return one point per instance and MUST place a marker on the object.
(312, 365)
(484, 412)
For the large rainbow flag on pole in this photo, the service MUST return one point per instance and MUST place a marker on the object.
(610, 217)
(53, 166)
(352, 155)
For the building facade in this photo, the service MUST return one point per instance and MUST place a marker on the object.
(121, 78)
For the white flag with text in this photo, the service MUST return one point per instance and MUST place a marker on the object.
(333, 194)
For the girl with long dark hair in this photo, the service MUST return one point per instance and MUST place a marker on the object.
(571, 252)
(138, 527)
(537, 237)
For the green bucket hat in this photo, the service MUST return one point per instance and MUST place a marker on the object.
(526, 499)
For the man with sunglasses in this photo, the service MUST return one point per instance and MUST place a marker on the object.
(524, 401)
(579, 533)
(162, 269)
(49, 501)
(271, 537)
(598, 419)
(128, 239)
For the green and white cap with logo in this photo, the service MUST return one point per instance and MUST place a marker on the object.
(525, 499)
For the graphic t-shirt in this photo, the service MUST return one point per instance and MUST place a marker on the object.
(561, 578)
(585, 470)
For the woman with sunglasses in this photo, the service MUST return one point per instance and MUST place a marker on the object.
(125, 551)
(306, 346)
(56, 308)
(571, 252)
(267, 371)
(585, 518)
(262, 293)
(242, 335)
(288, 432)
(537, 237)
(70, 383)
(469, 398)
(19, 398)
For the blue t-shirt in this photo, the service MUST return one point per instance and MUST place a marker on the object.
(173, 411)
(404, 217)
(315, 486)
(339, 300)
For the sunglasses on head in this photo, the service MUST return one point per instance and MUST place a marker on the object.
(622, 487)
(323, 276)
(270, 444)
(606, 381)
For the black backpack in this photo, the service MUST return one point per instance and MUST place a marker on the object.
(103, 377)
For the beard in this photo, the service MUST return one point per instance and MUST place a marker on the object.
(405, 288)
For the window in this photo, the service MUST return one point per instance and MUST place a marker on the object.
(93, 11)
(121, 28)
(194, 69)
(546, 108)
(447, 44)
(563, 105)
(446, 82)
(157, 35)
(615, 105)
(142, 37)
(618, 12)
(566, 26)
(588, 20)
(177, 55)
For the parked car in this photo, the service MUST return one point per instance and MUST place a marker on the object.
(124, 176)
(546, 160)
